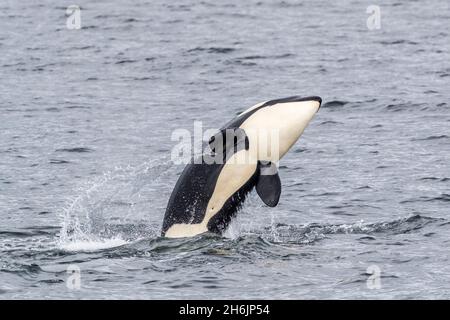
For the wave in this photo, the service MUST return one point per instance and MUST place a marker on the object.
(276, 234)
(443, 197)
(212, 50)
(397, 107)
(92, 244)
(394, 42)
(436, 137)
(277, 241)
(334, 104)
(308, 234)
(75, 149)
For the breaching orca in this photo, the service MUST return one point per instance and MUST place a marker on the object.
(210, 190)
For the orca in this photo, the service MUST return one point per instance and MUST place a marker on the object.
(213, 187)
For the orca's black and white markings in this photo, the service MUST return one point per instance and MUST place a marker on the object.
(209, 193)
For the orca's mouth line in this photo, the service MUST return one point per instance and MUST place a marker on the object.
(293, 99)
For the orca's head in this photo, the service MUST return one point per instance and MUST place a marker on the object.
(273, 127)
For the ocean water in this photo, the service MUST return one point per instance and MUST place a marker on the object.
(87, 115)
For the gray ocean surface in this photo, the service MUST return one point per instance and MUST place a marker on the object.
(86, 119)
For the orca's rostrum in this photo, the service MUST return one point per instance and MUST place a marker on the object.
(211, 190)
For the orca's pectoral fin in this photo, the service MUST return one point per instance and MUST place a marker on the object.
(268, 185)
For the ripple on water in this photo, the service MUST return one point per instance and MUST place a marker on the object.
(75, 150)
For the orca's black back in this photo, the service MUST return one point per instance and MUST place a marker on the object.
(191, 194)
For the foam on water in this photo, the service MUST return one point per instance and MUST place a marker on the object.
(92, 245)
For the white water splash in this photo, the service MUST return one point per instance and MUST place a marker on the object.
(92, 245)
(90, 221)
(247, 219)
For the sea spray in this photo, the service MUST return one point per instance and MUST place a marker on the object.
(112, 210)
